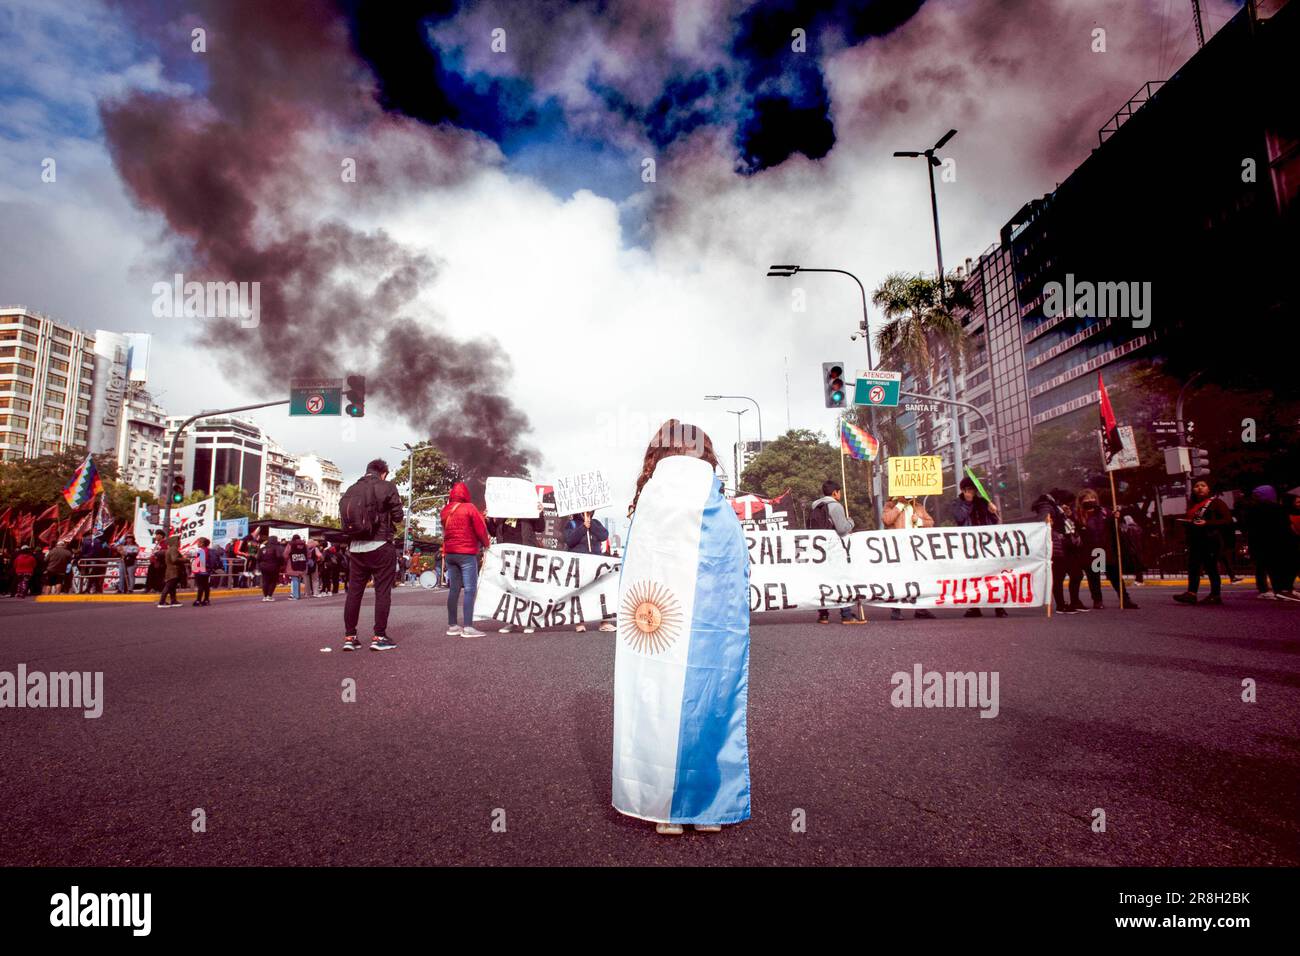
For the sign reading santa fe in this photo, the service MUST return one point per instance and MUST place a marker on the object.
(911, 476)
(584, 491)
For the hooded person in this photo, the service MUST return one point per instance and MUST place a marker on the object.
(973, 510)
(681, 667)
(464, 532)
(1268, 533)
(906, 512)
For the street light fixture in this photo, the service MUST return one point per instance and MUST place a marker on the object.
(931, 162)
(789, 271)
(735, 455)
(746, 398)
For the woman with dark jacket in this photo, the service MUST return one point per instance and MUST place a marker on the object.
(270, 560)
(173, 572)
(971, 509)
(1204, 524)
(153, 580)
(1097, 526)
(1049, 508)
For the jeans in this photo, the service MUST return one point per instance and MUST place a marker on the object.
(203, 588)
(381, 565)
(295, 586)
(462, 572)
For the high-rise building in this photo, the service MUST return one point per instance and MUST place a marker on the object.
(141, 444)
(281, 475)
(47, 373)
(1169, 242)
(219, 451)
(327, 480)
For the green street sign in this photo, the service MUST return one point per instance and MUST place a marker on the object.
(315, 397)
(878, 388)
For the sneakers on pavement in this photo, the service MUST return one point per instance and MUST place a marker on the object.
(607, 627)
(382, 644)
(1187, 597)
(1288, 596)
(1267, 596)
(669, 829)
(471, 632)
(351, 644)
(453, 631)
(708, 828)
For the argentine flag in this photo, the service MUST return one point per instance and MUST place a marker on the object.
(681, 670)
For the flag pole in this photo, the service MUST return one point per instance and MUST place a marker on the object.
(844, 485)
(1119, 550)
(844, 482)
(1048, 518)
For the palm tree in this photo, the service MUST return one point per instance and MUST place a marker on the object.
(921, 327)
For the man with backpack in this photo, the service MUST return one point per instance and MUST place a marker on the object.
(370, 511)
(827, 514)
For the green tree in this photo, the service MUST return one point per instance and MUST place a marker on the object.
(921, 327)
(434, 476)
(799, 461)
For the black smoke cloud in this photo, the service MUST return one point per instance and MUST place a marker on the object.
(233, 172)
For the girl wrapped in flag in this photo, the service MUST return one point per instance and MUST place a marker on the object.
(681, 668)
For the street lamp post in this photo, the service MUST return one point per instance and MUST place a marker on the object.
(410, 489)
(788, 271)
(746, 398)
(736, 454)
(932, 161)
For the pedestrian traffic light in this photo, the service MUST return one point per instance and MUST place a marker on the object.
(1200, 462)
(178, 489)
(356, 396)
(837, 394)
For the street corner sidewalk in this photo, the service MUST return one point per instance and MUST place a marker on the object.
(139, 598)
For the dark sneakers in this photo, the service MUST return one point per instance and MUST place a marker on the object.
(1213, 599)
(1187, 597)
(351, 644)
(382, 644)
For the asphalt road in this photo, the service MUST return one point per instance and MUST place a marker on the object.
(235, 709)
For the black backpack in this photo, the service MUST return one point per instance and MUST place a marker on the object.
(819, 518)
(359, 511)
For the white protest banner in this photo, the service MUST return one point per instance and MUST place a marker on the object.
(537, 587)
(957, 568)
(190, 522)
(511, 498)
(228, 529)
(584, 491)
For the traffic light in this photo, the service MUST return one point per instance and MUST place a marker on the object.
(1200, 462)
(837, 393)
(356, 396)
(178, 489)
(1002, 477)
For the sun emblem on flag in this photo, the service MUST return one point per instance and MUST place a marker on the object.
(650, 618)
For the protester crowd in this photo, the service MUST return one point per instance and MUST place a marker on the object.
(1086, 546)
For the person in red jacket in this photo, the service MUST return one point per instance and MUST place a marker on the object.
(463, 533)
(24, 568)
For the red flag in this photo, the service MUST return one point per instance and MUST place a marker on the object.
(4, 518)
(1109, 428)
(51, 534)
(22, 526)
(49, 514)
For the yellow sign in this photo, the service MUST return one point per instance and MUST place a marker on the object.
(911, 476)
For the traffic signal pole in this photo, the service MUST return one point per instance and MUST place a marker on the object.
(993, 435)
(171, 457)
